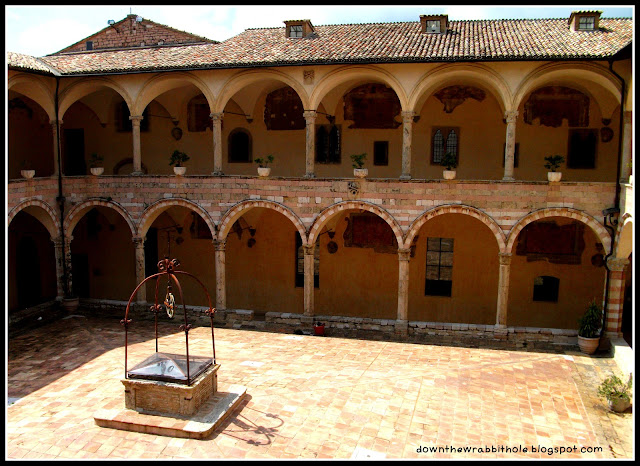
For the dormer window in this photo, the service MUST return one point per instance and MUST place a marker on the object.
(587, 23)
(584, 20)
(434, 24)
(299, 28)
(295, 31)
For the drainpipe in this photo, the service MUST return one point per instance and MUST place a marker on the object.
(60, 199)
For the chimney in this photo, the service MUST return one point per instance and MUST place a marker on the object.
(298, 28)
(434, 24)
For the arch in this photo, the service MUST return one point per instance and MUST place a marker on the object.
(164, 82)
(572, 74)
(78, 211)
(472, 73)
(84, 87)
(34, 88)
(41, 211)
(245, 78)
(624, 237)
(456, 209)
(334, 209)
(235, 212)
(599, 230)
(154, 210)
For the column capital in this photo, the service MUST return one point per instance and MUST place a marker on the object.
(407, 116)
(310, 116)
(57, 241)
(216, 116)
(138, 241)
(136, 119)
(55, 122)
(219, 244)
(617, 264)
(504, 258)
(404, 254)
(309, 249)
(511, 115)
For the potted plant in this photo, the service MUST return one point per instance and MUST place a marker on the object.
(553, 163)
(95, 164)
(318, 329)
(450, 163)
(263, 165)
(616, 392)
(26, 171)
(590, 323)
(177, 159)
(358, 164)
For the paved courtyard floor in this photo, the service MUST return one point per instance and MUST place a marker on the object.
(315, 397)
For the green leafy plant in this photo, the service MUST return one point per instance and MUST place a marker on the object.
(613, 388)
(553, 162)
(358, 160)
(95, 160)
(449, 161)
(178, 158)
(264, 162)
(591, 321)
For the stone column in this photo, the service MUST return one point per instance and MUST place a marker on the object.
(625, 169)
(407, 131)
(138, 242)
(56, 144)
(403, 291)
(510, 146)
(615, 298)
(221, 287)
(503, 289)
(57, 247)
(309, 269)
(137, 151)
(310, 149)
(67, 259)
(217, 143)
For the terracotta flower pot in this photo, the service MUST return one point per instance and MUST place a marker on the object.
(264, 171)
(619, 405)
(179, 170)
(360, 172)
(28, 174)
(318, 330)
(448, 174)
(70, 304)
(554, 176)
(97, 171)
(588, 345)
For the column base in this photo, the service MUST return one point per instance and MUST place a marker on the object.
(508, 178)
(404, 176)
(309, 175)
(137, 173)
(402, 327)
(215, 173)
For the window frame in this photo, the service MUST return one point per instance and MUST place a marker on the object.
(586, 23)
(433, 22)
(294, 29)
(444, 130)
(230, 145)
(434, 287)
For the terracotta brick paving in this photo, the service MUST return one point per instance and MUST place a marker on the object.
(313, 397)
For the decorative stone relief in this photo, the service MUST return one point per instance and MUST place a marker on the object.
(452, 96)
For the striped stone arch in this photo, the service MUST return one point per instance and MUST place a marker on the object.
(152, 212)
(235, 212)
(624, 237)
(41, 211)
(339, 207)
(599, 230)
(456, 209)
(78, 211)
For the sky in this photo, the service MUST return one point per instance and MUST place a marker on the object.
(42, 29)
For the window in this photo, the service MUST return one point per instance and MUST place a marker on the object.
(586, 23)
(239, 146)
(381, 153)
(516, 155)
(545, 288)
(295, 31)
(89, 45)
(300, 263)
(443, 140)
(198, 112)
(123, 123)
(328, 144)
(433, 26)
(439, 267)
(582, 148)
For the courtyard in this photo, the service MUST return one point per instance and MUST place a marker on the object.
(315, 397)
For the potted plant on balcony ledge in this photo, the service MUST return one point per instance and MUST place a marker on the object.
(177, 159)
(553, 163)
(450, 163)
(263, 165)
(95, 164)
(358, 164)
(616, 392)
(590, 323)
(26, 171)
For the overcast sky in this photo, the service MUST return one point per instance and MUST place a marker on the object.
(41, 30)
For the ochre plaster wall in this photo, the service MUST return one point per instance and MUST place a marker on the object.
(474, 290)
(579, 284)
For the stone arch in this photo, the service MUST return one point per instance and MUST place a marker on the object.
(599, 230)
(573, 75)
(78, 211)
(41, 211)
(154, 210)
(449, 74)
(84, 87)
(231, 215)
(457, 209)
(624, 237)
(34, 88)
(334, 209)
(245, 78)
(164, 82)
(359, 72)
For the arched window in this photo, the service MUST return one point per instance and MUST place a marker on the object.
(441, 144)
(240, 146)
